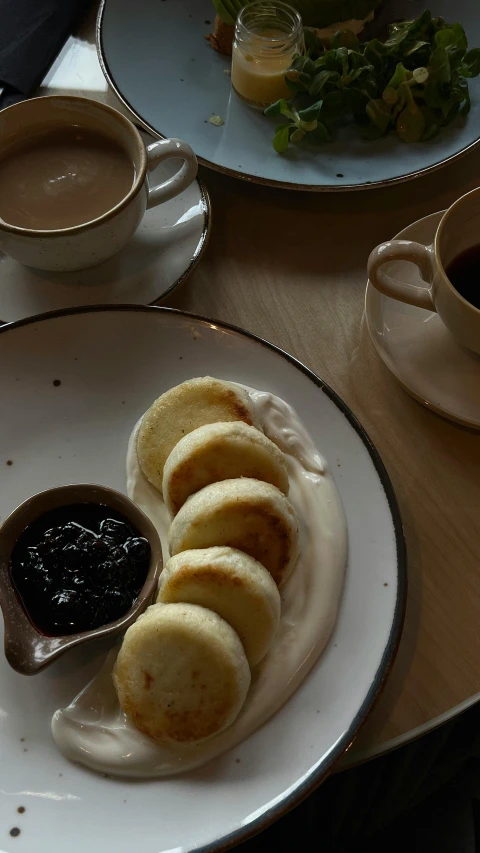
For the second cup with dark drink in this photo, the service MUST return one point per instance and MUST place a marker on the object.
(464, 274)
(450, 268)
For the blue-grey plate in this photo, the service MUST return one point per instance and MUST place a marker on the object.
(155, 57)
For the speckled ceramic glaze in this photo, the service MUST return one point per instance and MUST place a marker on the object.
(156, 58)
(92, 242)
(111, 364)
(457, 232)
(162, 253)
(416, 345)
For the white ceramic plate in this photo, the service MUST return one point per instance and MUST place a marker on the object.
(417, 347)
(112, 362)
(164, 251)
(156, 59)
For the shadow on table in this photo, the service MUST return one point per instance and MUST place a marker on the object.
(308, 231)
(419, 798)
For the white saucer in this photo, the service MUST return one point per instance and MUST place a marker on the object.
(418, 349)
(165, 249)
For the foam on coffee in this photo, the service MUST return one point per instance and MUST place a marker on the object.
(61, 178)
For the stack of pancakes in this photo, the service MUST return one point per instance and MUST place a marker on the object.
(184, 669)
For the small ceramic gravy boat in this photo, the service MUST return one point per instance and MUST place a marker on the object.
(27, 649)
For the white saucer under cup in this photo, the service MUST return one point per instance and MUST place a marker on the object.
(164, 250)
(417, 347)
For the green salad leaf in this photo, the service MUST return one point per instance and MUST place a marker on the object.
(227, 10)
(414, 83)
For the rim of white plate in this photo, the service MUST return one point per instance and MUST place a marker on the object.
(321, 771)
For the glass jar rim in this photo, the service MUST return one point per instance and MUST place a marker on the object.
(269, 7)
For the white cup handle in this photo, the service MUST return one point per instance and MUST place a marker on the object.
(403, 250)
(168, 149)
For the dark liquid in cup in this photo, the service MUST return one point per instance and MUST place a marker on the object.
(464, 274)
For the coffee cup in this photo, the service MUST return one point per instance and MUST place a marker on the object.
(458, 233)
(85, 243)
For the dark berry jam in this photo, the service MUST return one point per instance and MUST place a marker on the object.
(78, 567)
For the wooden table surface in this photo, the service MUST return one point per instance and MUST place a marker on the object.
(290, 267)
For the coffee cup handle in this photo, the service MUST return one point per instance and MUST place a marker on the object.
(403, 250)
(169, 149)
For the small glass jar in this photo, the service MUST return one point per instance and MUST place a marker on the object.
(268, 34)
